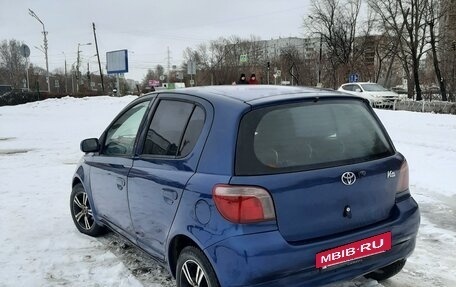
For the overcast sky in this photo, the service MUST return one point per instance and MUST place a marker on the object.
(146, 28)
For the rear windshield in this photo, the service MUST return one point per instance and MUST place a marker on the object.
(308, 135)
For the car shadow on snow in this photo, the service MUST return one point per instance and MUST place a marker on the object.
(142, 266)
(147, 271)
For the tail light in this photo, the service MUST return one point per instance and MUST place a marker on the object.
(403, 182)
(243, 204)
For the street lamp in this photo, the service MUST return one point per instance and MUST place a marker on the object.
(77, 65)
(88, 69)
(45, 48)
(40, 49)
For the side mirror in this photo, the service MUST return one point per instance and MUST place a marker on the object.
(358, 90)
(90, 145)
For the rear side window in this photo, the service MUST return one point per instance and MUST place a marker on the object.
(194, 127)
(174, 129)
(305, 136)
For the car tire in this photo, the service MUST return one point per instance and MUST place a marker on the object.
(81, 212)
(387, 271)
(194, 269)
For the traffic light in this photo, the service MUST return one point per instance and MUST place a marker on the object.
(268, 65)
(88, 76)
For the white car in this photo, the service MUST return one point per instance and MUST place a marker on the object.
(377, 95)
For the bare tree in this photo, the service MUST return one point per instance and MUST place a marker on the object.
(37, 78)
(434, 15)
(385, 49)
(336, 22)
(200, 57)
(219, 61)
(408, 20)
(151, 75)
(12, 63)
(293, 62)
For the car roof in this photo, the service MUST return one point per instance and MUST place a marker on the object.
(255, 94)
(369, 83)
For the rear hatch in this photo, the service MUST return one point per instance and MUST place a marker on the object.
(328, 165)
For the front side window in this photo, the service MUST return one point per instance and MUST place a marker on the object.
(373, 88)
(174, 129)
(357, 88)
(121, 136)
(348, 87)
(308, 136)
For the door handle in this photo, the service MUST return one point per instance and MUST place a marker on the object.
(120, 182)
(170, 194)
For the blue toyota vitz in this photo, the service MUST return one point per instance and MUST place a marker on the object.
(251, 186)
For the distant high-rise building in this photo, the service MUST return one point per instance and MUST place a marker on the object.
(306, 47)
(447, 43)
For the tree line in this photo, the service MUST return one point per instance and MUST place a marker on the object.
(14, 68)
(389, 41)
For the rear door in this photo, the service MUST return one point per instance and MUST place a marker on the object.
(325, 164)
(168, 158)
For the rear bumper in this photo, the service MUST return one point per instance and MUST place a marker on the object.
(266, 259)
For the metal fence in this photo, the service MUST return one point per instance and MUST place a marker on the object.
(438, 107)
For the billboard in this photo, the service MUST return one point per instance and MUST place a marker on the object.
(117, 62)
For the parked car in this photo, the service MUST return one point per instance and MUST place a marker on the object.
(376, 94)
(5, 89)
(251, 186)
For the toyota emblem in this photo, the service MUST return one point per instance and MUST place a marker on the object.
(348, 178)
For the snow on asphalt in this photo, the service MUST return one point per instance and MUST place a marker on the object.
(39, 149)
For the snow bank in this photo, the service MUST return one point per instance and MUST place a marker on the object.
(39, 148)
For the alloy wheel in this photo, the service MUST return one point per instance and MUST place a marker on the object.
(194, 275)
(82, 211)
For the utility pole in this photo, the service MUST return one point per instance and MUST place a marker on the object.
(45, 48)
(27, 73)
(78, 61)
(98, 56)
(72, 79)
(77, 72)
(66, 79)
(169, 65)
(88, 74)
(319, 61)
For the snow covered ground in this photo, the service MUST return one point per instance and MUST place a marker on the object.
(39, 149)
